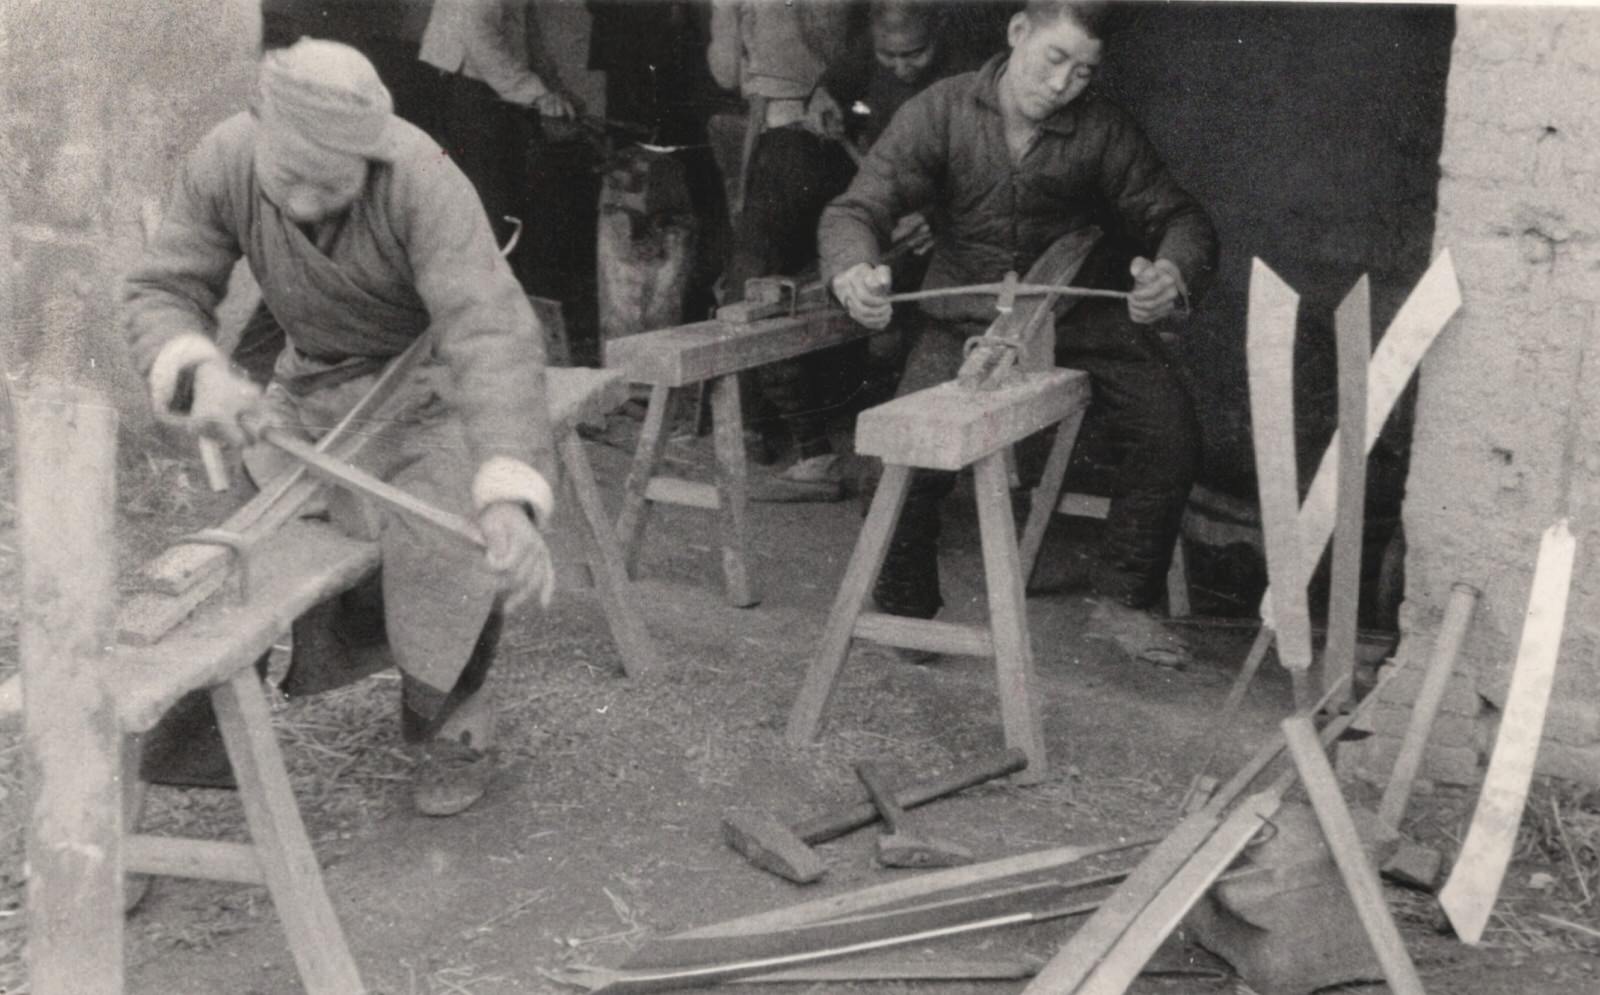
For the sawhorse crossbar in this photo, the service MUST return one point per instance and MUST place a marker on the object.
(713, 353)
(948, 427)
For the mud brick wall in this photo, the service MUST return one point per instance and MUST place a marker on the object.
(100, 101)
(1508, 414)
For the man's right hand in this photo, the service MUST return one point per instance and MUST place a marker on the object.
(863, 289)
(221, 398)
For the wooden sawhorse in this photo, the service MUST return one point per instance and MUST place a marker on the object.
(78, 723)
(947, 427)
(713, 353)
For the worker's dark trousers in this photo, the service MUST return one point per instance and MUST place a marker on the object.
(1144, 410)
(793, 175)
(489, 140)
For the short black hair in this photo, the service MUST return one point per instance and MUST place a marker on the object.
(1093, 16)
(926, 14)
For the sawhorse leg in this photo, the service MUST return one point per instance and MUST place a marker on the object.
(865, 562)
(635, 490)
(729, 497)
(1048, 491)
(1008, 620)
(733, 493)
(606, 563)
(287, 861)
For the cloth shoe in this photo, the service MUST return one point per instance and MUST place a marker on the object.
(450, 777)
(814, 479)
(1137, 633)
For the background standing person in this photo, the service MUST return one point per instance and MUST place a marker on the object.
(794, 163)
(363, 237)
(1014, 156)
(489, 104)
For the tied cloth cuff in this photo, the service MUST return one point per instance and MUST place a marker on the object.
(179, 355)
(502, 478)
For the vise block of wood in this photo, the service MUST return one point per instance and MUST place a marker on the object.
(772, 297)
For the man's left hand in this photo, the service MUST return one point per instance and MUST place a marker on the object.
(824, 116)
(1157, 289)
(517, 553)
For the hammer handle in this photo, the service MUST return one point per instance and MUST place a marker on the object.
(832, 825)
(882, 797)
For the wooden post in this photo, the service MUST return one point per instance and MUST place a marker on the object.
(66, 458)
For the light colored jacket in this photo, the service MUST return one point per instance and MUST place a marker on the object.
(758, 48)
(485, 40)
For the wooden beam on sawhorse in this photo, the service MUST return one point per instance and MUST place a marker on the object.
(948, 428)
(713, 353)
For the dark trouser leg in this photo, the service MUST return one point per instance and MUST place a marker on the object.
(418, 701)
(793, 175)
(1146, 413)
(808, 389)
(486, 137)
(185, 748)
(908, 584)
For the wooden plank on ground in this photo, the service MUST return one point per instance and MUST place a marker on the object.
(946, 427)
(1469, 895)
(65, 484)
(1123, 918)
(1270, 357)
(943, 883)
(1360, 880)
(690, 354)
(1156, 921)
(1433, 301)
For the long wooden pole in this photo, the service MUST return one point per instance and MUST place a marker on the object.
(1446, 647)
(1360, 880)
(66, 455)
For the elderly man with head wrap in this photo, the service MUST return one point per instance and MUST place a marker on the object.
(363, 237)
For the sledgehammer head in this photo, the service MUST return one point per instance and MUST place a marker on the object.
(772, 846)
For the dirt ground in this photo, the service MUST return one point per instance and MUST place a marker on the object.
(601, 829)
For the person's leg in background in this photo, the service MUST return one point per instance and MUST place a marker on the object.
(486, 138)
(1144, 417)
(908, 583)
(793, 176)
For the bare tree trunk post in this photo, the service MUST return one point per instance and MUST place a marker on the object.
(66, 449)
